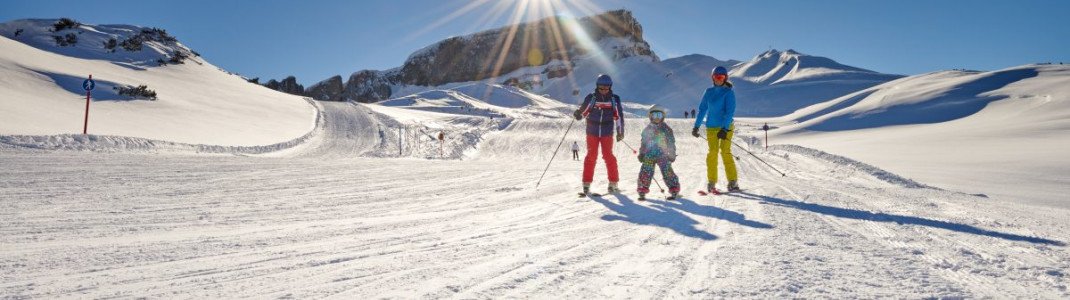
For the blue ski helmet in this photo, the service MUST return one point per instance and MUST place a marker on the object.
(719, 70)
(604, 79)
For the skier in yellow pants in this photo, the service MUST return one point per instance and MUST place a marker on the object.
(717, 109)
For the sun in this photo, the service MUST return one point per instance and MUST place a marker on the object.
(558, 12)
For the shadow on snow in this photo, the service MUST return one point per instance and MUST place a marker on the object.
(898, 219)
(670, 215)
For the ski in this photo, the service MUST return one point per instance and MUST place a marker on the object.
(582, 195)
(718, 192)
(705, 193)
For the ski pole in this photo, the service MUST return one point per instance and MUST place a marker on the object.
(629, 147)
(555, 153)
(651, 177)
(759, 159)
(659, 184)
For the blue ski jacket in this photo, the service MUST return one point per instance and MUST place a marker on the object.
(718, 107)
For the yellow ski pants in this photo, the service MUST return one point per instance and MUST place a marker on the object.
(724, 147)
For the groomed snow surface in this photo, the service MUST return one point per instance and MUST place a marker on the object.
(319, 220)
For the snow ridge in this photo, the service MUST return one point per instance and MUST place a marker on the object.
(874, 171)
(111, 143)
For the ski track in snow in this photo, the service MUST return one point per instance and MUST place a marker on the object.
(321, 221)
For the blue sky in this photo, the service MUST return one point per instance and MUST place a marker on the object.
(318, 39)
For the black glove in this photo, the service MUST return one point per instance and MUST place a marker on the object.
(620, 136)
(641, 158)
(577, 114)
(672, 158)
(694, 132)
(723, 134)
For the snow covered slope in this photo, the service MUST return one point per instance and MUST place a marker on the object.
(1003, 132)
(197, 103)
(480, 99)
(301, 226)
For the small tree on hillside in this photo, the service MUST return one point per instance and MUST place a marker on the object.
(65, 23)
(138, 92)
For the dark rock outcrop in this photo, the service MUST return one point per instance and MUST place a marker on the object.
(328, 90)
(288, 85)
(367, 86)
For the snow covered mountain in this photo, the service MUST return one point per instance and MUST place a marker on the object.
(185, 99)
(1001, 132)
(776, 83)
(772, 84)
(469, 58)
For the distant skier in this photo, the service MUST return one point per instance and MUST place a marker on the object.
(603, 112)
(718, 107)
(693, 115)
(575, 151)
(658, 146)
(685, 114)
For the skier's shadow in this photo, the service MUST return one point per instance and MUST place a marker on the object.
(660, 216)
(898, 219)
(711, 212)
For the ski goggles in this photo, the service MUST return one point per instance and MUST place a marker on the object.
(657, 115)
(720, 77)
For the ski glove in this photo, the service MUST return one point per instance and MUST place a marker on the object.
(620, 136)
(694, 132)
(641, 160)
(723, 134)
(577, 114)
(672, 158)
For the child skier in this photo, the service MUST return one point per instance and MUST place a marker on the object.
(658, 146)
(604, 113)
(575, 151)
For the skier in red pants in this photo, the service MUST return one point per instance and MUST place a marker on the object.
(604, 113)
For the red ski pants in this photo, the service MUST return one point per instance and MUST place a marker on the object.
(593, 143)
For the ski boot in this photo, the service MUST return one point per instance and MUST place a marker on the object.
(674, 196)
(642, 197)
(613, 189)
(711, 189)
(733, 186)
(586, 190)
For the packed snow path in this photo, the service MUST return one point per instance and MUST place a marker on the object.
(320, 222)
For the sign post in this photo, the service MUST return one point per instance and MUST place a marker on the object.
(766, 128)
(88, 85)
(441, 144)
